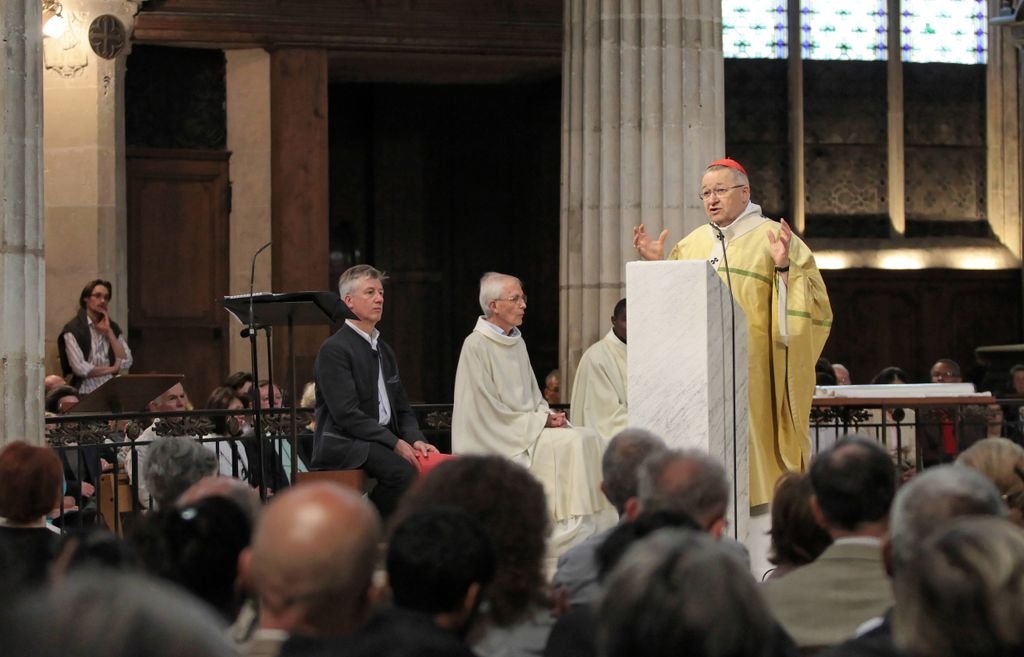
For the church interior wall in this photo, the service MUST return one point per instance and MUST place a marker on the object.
(437, 177)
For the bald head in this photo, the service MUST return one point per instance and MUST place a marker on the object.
(312, 560)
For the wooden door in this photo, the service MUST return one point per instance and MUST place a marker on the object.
(178, 204)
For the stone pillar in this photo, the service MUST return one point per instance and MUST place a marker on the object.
(642, 115)
(248, 110)
(21, 223)
(1003, 130)
(84, 153)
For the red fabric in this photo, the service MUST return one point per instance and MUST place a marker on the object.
(948, 436)
(729, 162)
(431, 461)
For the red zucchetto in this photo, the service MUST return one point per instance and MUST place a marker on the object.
(728, 162)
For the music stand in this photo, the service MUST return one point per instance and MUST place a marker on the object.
(289, 309)
(126, 393)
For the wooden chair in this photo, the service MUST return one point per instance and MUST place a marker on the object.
(115, 521)
(354, 479)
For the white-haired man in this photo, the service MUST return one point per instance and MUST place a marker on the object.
(499, 410)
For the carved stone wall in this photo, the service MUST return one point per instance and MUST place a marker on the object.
(945, 147)
(757, 129)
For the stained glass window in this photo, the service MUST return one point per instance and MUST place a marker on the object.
(951, 31)
(844, 29)
(754, 29)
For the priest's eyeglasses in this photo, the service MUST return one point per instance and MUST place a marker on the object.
(718, 192)
(514, 299)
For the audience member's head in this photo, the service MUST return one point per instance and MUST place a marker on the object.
(439, 561)
(1001, 461)
(61, 399)
(945, 370)
(627, 534)
(553, 387)
(964, 595)
(510, 506)
(797, 539)
(241, 383)
(679, 592)
(197, 547)
(1017, 379)
(891, 375)
(31, 480)
(103, 613)
(311, 560)
(621, 462)
(854, 481)
(173, 463)
(85, 297)
(842, 374)
(172, 399)
(308, 399)
(236, 490)
(823, 373)
(265, 399)
(51, 381)
(225, 398)
(932, 498)
(92, 546)
(685, 481)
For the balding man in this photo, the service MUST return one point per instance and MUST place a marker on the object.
(310, 565)
(775, 280)
(499, 410)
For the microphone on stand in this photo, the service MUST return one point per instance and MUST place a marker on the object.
(720, 236)
(254, 392)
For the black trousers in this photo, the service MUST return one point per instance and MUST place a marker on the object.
(393, 474)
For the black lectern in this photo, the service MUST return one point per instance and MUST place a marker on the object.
(263, 311)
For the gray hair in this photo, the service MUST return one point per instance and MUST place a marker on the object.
(492, 285)
(173, 463)
(932, 498)
(964, 595)
(348, 279)
(621, 461)
(687, 481)
(682, 592)
(112, 614)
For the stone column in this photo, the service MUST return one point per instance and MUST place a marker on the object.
(21, 230)
(642, 115)
(84, 148)
(248, 110)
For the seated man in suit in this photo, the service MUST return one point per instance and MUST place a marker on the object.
(363, 419)
(823, 603)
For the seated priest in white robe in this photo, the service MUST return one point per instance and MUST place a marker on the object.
(599, 388)
(499, 410)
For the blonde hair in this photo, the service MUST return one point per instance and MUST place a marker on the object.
(308, 396)
(1002, 462)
